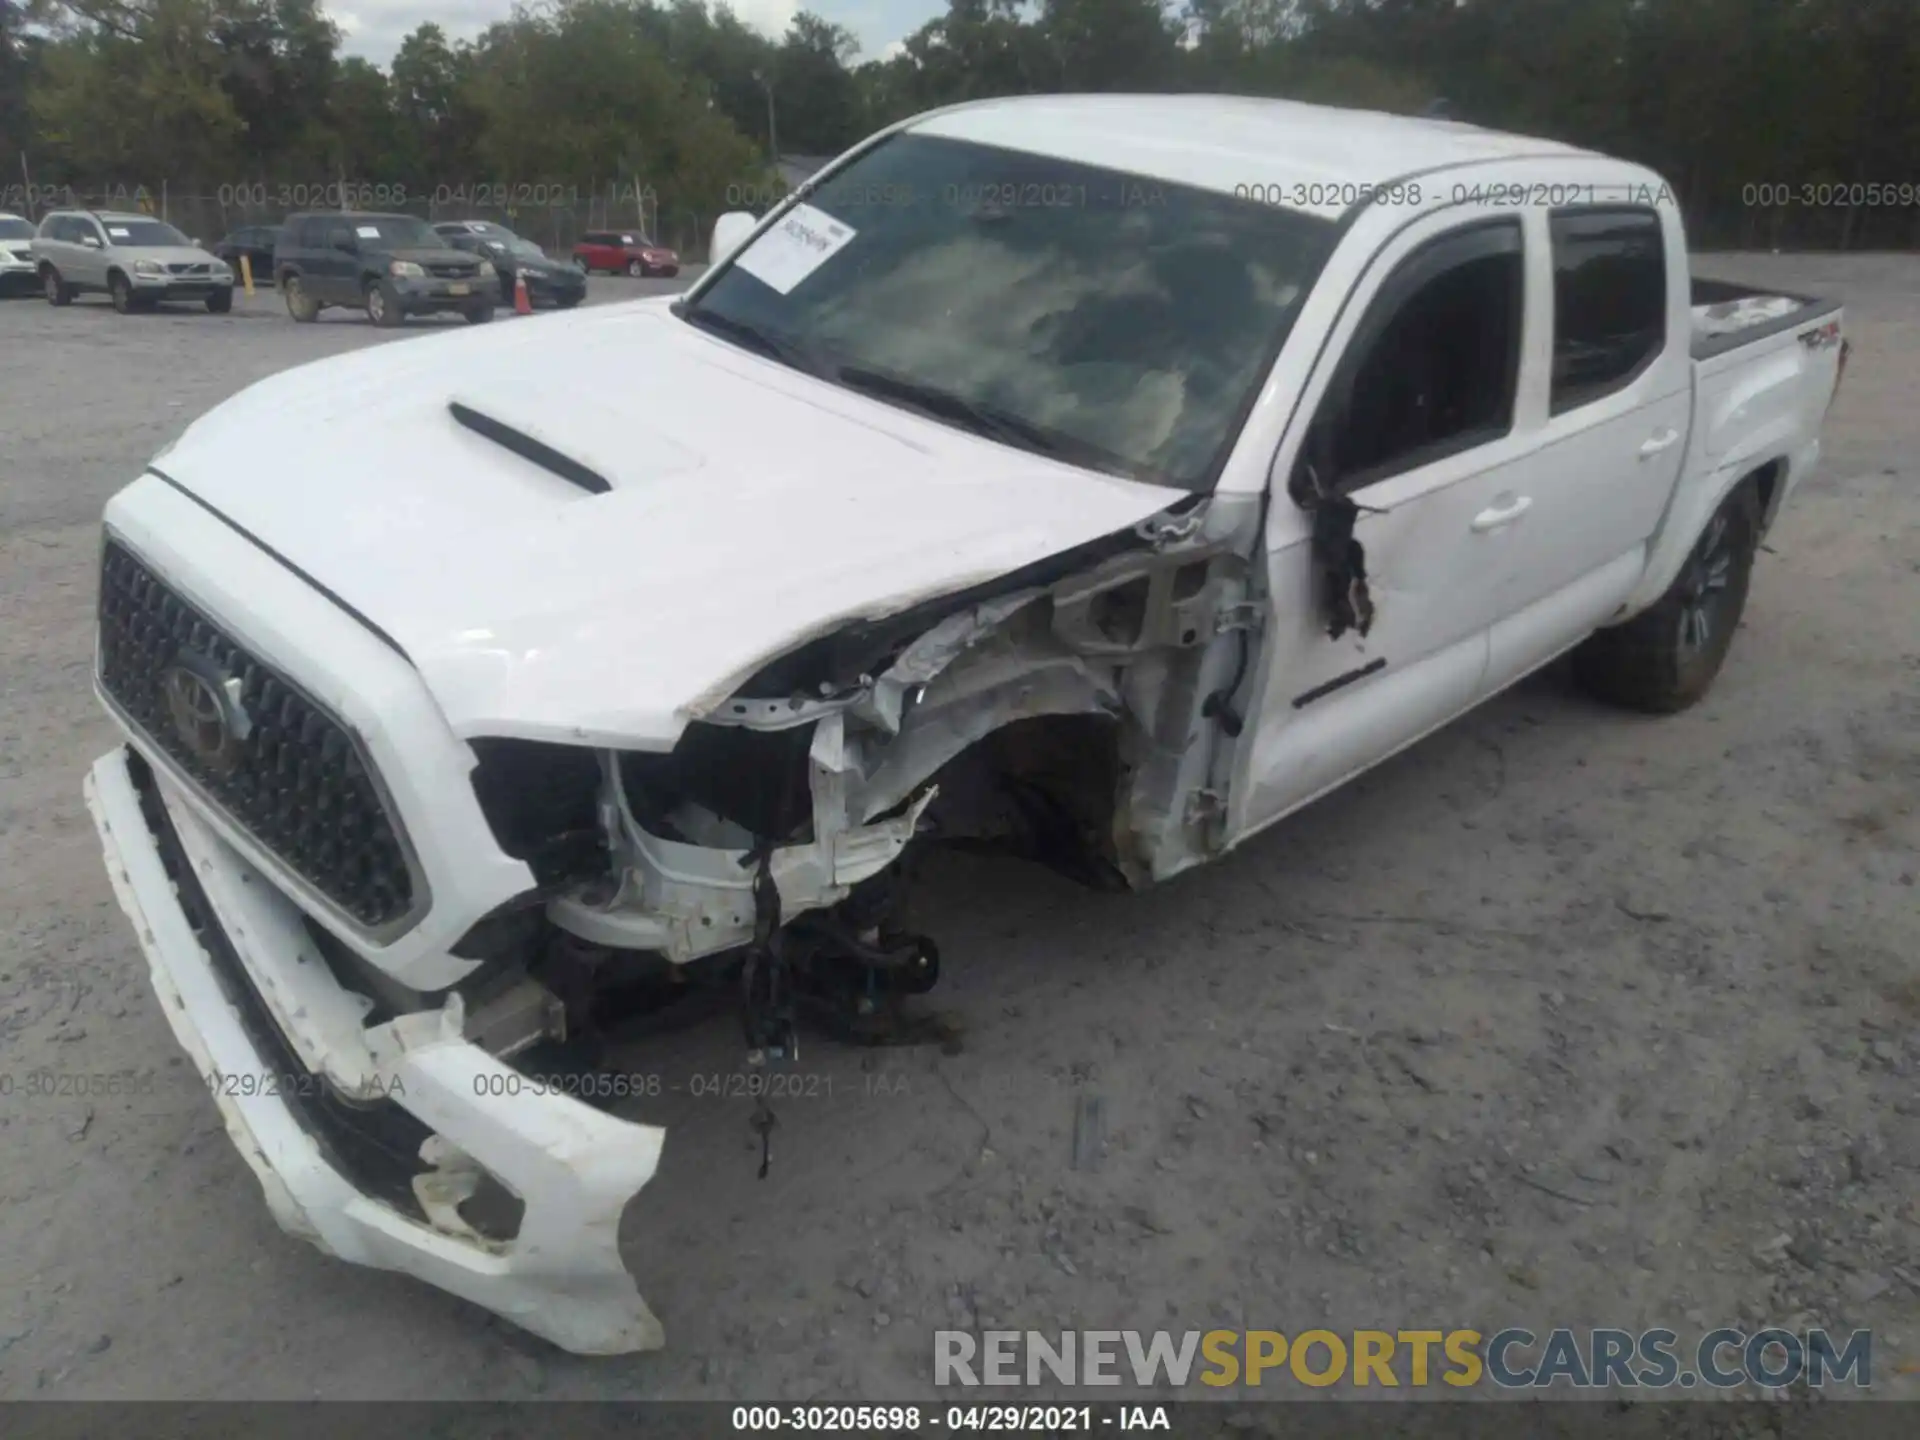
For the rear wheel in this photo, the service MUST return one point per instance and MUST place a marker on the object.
(1664, 659)
(58, 291)
(300, 305)
(121, 292)
(383, 305)
(636, 268)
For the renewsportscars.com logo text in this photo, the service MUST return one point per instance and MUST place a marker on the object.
(1511, 1359)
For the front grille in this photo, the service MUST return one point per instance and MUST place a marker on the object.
(454, 272)
(189, 268)
(286, 771)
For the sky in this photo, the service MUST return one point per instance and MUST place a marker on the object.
(374, 28)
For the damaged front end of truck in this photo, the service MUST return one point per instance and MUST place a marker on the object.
(1080, 711)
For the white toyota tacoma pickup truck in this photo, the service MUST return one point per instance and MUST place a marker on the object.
(1099, 477)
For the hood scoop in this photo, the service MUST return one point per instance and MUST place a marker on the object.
(531, 448)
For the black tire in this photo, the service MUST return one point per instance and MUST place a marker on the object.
(57, 290)
(567, 302)
(383, 306)
(219, 302)
(478, 314)
(1665, 659)
(120, 291)
(636, 268)
(300, 305)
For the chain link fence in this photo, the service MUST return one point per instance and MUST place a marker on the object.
(553, 217)
(1836, 216)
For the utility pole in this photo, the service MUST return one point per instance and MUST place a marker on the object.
(773, 135)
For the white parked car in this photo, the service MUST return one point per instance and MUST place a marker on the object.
(17, 273)
(1102, 477)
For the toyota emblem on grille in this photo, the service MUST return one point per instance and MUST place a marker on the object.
(204, 705)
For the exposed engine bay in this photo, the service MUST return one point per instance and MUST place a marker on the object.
(1079, 713)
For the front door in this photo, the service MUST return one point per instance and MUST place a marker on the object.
(340, 257)
(1414, 410)
(90, 255)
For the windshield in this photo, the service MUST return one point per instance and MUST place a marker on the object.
(15, 230)
(143, 232)
(1119, 322)
(514, 245)
(397, 230)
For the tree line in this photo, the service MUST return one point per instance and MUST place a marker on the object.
(1778, 122)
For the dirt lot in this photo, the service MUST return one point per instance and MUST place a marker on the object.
(1562, 1018)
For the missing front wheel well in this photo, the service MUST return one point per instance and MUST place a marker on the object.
(1045, 789)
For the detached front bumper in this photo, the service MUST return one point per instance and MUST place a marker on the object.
(366, 1140)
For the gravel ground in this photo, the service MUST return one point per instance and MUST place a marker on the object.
(1563, 1017)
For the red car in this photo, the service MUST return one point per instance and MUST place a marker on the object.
(627, 250)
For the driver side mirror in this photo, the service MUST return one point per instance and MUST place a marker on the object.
(728, 231)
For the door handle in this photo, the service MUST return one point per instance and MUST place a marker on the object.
(1503, 514)
(1664, 440)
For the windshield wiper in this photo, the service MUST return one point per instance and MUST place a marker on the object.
(993, 423)
(786, 351)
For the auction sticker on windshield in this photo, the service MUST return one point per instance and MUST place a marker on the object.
(803, 241)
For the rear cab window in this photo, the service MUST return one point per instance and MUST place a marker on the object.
(1609, 301)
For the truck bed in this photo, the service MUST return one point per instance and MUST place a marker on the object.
(1727, 315)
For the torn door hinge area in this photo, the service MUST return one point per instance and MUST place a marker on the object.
(1205, 808)
(1239, 615)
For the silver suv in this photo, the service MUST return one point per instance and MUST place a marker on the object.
(136, 259)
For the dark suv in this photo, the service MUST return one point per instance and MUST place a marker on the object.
(393, 266)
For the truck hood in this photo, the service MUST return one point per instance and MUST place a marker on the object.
(751, 508)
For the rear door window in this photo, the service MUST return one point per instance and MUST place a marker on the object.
(1609, 301)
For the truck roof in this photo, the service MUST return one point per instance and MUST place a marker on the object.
(1218, 142)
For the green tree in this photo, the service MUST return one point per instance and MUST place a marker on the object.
(817, 95)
